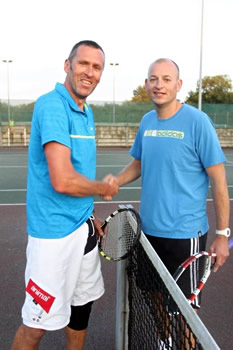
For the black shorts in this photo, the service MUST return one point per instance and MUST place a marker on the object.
(173, 252)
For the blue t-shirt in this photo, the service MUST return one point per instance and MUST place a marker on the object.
(174, 153)
(57, 118)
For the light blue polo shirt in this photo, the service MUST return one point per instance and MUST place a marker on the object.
(174, 154)
(57, 118)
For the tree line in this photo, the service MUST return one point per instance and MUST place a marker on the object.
(215, 90)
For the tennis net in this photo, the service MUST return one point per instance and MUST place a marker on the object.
(160, 317)
(156, 313)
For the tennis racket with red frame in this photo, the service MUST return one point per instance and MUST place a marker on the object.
(207, 270)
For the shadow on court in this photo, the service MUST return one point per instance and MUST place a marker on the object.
(216, 312)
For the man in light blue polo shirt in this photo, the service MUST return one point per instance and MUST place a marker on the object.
(63, 274)
(63, 122)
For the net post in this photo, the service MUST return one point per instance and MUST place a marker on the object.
(122, 308)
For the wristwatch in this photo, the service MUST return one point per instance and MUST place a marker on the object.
(226, 232)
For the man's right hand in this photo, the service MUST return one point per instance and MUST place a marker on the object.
(114, 187)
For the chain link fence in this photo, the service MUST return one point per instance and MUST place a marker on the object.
(121, 112)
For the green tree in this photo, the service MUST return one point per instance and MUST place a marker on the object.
(140, 95)
(217, 89)
(19, 113)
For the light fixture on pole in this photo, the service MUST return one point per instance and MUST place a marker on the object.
(113, 98)
(8, 89)
(200, 77)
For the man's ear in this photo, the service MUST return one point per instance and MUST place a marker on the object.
(146, 85)
(179, 85)
(67, 66)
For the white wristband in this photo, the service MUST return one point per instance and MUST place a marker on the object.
(226, 232)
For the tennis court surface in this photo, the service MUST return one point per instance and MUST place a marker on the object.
(217, 309)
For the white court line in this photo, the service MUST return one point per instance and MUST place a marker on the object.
(24, 189)
(14, 190)
(98, 166)
(228, 163)
(110, 202)
(13, 166)
(107, 202)
(110, 153)
(122, 188)
(11, 204)
(111, 166)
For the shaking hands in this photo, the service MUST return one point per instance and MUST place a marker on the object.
(113, 187)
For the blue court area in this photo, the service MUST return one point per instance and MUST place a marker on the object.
(217, 309)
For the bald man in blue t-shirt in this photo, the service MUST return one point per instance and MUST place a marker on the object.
(176, 152)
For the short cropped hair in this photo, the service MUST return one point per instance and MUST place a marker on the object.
(160, 60)
(85, 43)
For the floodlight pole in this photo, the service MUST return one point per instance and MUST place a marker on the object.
(8, 89)
(113, 98)
(200, 76)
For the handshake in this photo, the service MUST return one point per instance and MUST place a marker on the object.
(112, 188)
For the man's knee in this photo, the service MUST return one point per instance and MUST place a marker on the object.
(33, 333)
(80, 316)
(27, 336)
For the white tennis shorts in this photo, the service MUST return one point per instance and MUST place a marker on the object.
(58, 274)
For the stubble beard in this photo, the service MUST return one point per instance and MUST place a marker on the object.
(78, 94)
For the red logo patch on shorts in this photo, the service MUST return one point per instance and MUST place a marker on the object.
(44, 299)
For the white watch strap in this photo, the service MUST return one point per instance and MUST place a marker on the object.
(226, 232)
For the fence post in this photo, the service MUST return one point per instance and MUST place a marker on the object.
(25, 136)
(214, 118)
(8, 137)
(0, 134)
(127, 135)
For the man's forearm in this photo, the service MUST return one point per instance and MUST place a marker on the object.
(222, 208)
(130, 173)
(80, 186)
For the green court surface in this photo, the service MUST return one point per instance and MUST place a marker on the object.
(13, 175)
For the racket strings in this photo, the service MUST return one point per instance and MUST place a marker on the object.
(120, 235)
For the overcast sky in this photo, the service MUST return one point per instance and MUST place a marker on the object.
(38, 36)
